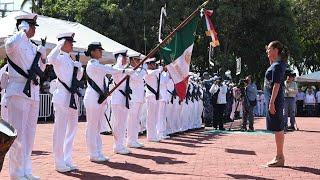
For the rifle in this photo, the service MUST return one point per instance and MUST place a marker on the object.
(75, 83)
(34, 70)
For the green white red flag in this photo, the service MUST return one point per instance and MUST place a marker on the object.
(210, 28)
(177, 56)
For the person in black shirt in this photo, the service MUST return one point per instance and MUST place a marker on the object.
(274, 95)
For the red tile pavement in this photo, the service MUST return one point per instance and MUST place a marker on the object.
(193, 155)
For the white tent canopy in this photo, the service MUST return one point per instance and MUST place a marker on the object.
(312, 77)
(51, 27)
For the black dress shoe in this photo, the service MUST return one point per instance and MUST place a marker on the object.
(243, 129)
(106, 133)
(222, 129)
(292, 128)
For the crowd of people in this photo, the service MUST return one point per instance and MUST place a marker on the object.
(146, 100)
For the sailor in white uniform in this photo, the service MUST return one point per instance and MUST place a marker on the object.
(136, 102)
(95, 108)
(64, 101)
(22, 94)
(152, 97)
(162, 103)
(120, 104)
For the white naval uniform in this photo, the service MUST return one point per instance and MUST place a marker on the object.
(119, 110)
(200, 108)
(4, 76)
(66, 118)
(94, 110)
(136, 102)
(152, 104)
(195, 107)
(104, 127)
(186, 111)
(260, 104)
(170, 108)
(22, 110)
(162, 102)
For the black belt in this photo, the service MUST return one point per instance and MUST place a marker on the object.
(173, 95)
(73, 91)
(27, 86)
(126, 93)
(97, 89)
(153, 91)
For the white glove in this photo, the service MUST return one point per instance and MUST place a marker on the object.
(61, 42)
(145, 66)
(41, 49)
(77, 64)
(24, 26)
(160, 68)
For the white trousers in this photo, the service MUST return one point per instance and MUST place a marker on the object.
(133, 122)
(169, 115)
(23, 116)
(119, 125)
(200, 110)
(4, 112)
(93, 126)
(151, 124)
(65, 128)
(195, 114)
(103, 121)
(184, 116)
(178, 117)
(161, 122)
(260, 108)
(143, 117)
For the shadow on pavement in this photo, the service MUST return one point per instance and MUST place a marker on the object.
(182, 144)
(91, 175)
(184, 140)
(40, 153)
(135, 168)
(305, 169)
(309, 131)
(244, 176)
(167, 151)
(157, 159)
(240, 151)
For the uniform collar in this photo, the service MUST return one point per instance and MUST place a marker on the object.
(94, 60)
(64, 53)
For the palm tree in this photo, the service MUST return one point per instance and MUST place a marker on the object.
(36, 5)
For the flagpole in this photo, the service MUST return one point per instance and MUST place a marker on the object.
(156, 49)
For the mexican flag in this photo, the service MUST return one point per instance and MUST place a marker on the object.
(177, 56)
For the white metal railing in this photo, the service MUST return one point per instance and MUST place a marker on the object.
(45, 106)
(46, 110)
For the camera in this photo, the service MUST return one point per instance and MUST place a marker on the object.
(242, 85)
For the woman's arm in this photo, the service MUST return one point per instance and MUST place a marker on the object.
(274, 94)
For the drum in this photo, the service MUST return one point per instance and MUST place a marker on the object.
(7, 135)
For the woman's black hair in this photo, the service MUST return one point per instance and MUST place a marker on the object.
(283, 50)
(87, 53)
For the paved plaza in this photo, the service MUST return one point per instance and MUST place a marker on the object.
(201, 154)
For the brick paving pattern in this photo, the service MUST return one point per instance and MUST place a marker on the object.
(201, 154)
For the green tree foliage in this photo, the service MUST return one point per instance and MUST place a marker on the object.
(307, 17)
(244, 27)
